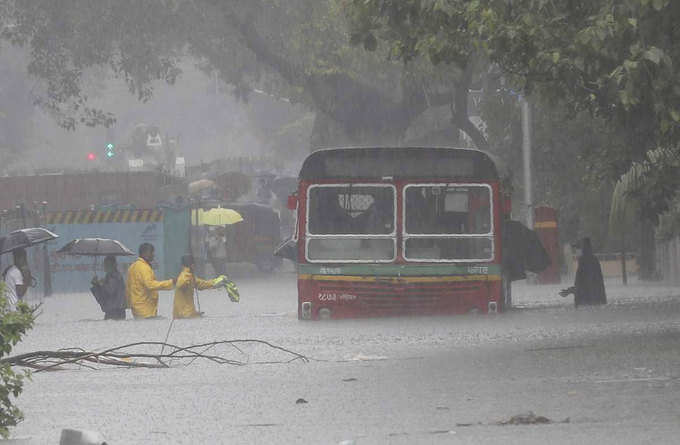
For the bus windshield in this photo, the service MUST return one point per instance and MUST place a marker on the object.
(351, 222)
(448, 222)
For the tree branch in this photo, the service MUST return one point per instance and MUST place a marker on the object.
(459, 109)
(293, 74)
(123, 356)
(357, 106)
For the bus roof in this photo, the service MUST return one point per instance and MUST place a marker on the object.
(399, 162)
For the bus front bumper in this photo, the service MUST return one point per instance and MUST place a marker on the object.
(323, 297)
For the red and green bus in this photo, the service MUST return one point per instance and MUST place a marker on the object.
(395, 231)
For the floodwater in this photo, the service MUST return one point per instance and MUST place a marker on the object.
(599, 375)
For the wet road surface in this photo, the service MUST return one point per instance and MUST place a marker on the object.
(598, 375)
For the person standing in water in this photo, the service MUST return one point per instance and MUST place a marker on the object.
(110, 292)
(183, 306)
(588, 286)
(142, 286)
(17, 278)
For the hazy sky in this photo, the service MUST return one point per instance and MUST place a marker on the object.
(209, 121)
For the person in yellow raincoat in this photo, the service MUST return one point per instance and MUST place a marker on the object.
(183, 306)
(142, 287)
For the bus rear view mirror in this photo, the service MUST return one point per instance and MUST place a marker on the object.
(292, 202)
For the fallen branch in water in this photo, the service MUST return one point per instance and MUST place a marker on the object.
(130, 356)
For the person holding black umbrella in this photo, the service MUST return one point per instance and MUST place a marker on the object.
(110, 292)
(17, 278)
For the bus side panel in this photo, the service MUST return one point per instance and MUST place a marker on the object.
(498, 217)
(301, 215)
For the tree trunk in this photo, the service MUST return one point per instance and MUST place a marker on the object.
(647, 259)
(350, 112)
(624, 272)
(326, 132)
(459, 109)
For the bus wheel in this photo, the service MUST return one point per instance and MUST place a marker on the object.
(506, 292)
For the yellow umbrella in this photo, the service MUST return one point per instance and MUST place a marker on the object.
(201, 184)
(216, 217)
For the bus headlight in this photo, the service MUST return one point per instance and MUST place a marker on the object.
(324, 313)
(306, 310)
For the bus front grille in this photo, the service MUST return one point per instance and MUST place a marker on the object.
(408, 297)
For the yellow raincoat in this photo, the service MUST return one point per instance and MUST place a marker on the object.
(142, 289)
(183, 306)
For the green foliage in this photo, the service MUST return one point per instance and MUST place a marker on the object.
(68, 39)
(617, 60)
(297, 49)
(436, 29)
(13, 325)
(563, 146)
(425, 30)
(276, 46)
(613, 58)
(649, 186)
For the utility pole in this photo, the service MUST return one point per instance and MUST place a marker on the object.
(22, 213)
(526, 155)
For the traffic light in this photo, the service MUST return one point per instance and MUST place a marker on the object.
(110, 150)
(91, 156)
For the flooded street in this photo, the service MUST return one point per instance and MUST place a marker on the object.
(217, 209)
(599, 375)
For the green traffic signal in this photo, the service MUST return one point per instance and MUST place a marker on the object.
(109, 150)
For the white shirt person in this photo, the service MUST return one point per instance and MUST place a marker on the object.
(15, 283)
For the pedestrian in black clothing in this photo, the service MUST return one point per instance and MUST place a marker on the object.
(588, 286)
(110, 292)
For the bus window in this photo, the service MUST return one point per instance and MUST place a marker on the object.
(363, 216)
(351, 210)
(437, 209)
(441, 221)
(448, 249)
(344, 249)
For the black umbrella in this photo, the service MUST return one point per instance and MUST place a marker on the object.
(25, 238)
(95, 247)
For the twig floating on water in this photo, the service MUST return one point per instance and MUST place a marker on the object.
(126, 356)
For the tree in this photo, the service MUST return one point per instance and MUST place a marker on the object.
(563, 176)
(614, 59)
(443, 33)
(611, 58)
(13, 325)
(416, 29)
(67, 39)
(298, 49)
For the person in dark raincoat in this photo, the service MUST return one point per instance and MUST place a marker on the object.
(588, 286)
(110, 292)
